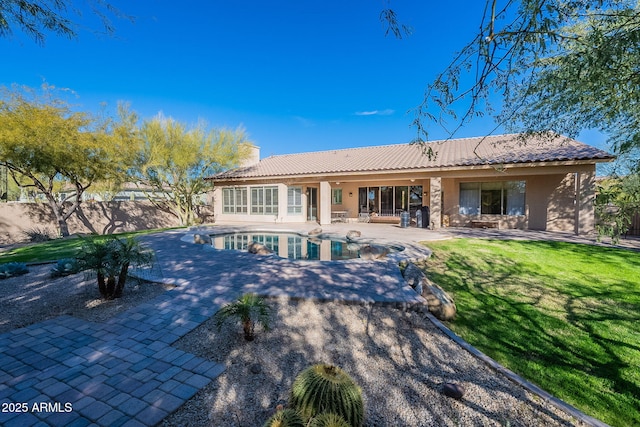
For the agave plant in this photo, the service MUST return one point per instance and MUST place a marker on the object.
(326, 388)
(12, 269)
(109, 259)
(65, 267)
(246, 308)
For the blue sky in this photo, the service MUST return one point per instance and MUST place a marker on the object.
(297, 75)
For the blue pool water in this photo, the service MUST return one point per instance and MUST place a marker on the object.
(297, 246)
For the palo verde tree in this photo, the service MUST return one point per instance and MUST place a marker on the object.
(174, 161)
(60, 17)
(47, 147)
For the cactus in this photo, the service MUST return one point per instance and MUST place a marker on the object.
(326, 388)
(285, 418)
(328, 419)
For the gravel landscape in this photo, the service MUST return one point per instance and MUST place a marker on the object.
(399, 358)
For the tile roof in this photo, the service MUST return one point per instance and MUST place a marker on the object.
(454, 153)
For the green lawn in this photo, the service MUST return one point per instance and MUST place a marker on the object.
(59, 248)
(564, 316)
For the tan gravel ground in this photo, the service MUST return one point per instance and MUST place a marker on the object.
(399, 359)
(35, 296)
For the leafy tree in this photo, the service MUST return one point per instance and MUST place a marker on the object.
(36, 18)
(48, 147)
(617, 202)
(174, 160)
(540, 65)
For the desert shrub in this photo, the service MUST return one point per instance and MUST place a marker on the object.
(39, 234)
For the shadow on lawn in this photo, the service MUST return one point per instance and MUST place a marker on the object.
(573, 335)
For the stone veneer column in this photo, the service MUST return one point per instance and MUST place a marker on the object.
(324, 203)
(435, 202)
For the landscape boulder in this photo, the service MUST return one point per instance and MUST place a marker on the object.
(353, 234)
(370, 252)
(414, 277)
(439, 303)
(202, 239)
(258, 249)
(453, 390)
(315, 231)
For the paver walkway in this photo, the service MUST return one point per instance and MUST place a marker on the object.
(124, 372)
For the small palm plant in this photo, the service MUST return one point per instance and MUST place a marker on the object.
(245, 308)
(109, 259)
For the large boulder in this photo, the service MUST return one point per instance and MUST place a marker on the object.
(439, 303)
(371, 252)
(414, 277)
(258, 249)
(353, 234)
(202, 239)
(315, 231)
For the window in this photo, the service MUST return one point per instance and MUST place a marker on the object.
(336, 196)
(264, 200)
(294, 200)
(234, 200)
(492, 198)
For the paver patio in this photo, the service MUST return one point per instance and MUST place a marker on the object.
(124, 372)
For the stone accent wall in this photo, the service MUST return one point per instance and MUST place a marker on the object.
(94, 217)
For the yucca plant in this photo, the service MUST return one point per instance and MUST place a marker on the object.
(109, 259)
(246, 308)
(326, 388)
(328, 419)
(285, 418)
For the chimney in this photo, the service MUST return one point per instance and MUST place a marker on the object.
(253, 158)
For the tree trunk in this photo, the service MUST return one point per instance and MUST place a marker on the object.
(111, 286)
(248, 328)
(122, 278)
(102, 287)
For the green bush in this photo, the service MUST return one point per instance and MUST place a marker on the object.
(246, 308)
(12, 269)
(326, 388)
(285, 418)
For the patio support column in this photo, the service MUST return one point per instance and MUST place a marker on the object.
(585, 197)
(435, 202)
(324, 202)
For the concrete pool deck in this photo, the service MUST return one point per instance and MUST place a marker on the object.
(124, 372)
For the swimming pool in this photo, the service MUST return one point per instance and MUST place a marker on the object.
(303, 247)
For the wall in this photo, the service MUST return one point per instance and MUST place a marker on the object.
(96, 217)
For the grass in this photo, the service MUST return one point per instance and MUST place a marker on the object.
(564, 316)
(59, 248)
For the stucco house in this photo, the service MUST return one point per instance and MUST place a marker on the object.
(498, 181)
